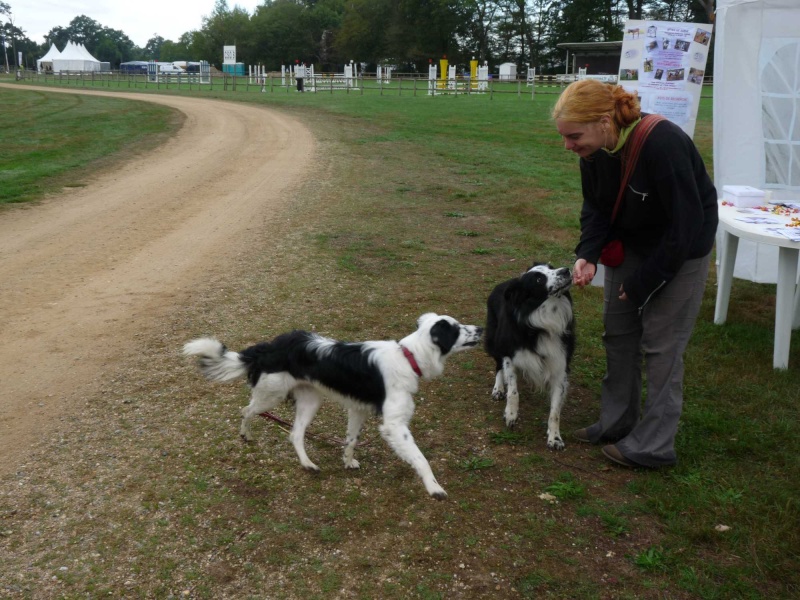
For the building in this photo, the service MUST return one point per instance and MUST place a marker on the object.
(508, 71)
(598, 58)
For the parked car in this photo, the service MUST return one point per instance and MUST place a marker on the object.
(169, 68)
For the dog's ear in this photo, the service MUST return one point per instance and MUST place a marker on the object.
(425, 317)
(535, 264)
(445, 334)
(513, 292)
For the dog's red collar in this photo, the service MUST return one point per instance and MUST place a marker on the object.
(412, 361)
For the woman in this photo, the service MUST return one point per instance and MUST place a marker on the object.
(666, 221)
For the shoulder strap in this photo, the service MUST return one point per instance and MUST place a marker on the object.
(630, 154)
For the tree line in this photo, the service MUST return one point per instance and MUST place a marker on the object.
(407, 34)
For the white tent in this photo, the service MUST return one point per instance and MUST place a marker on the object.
(85, 53)
(75, 57)
(46, 62)
(757, 110)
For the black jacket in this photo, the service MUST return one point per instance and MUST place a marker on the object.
(668, 214)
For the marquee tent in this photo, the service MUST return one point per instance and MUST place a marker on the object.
(75, 57)
(757, 110)
(46, 62)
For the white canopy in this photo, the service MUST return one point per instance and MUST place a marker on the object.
(75, 57)
(757, 110)
(85, 53)
(48, 58)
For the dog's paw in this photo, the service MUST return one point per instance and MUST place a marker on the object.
(511, 421)
(311, 468)
(498, 395)
(353, 464)
(439, 495)
(556, 443)
(244, 431)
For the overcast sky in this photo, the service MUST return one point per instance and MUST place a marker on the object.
(140, 20)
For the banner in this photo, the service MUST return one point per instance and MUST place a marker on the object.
(229, 55)
(665, 63)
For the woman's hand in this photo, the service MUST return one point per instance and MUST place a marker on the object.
(583, 272)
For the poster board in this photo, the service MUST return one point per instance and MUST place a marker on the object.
(229, 55)
(665, 62)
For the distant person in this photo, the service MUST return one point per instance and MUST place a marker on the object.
(299, 74)
(667, 221)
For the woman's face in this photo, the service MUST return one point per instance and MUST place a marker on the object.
(584, 139)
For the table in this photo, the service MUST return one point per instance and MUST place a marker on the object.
(787, 301)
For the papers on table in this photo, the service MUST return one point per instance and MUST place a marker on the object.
(774, 223)
(792, 233)
(759, 220)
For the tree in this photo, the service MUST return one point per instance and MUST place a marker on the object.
(361, 35)
(635, 8)
(479, 40)
(8, 31)
(224, 27)
(589, 21)
(58, 36)
(325, 21)
(86, 31)
(709, 8)
(541, 42)
(106, 50)
(282, 34)
(418, 31)
(114, 46)
(152, 49)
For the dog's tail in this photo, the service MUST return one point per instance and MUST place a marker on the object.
(216, 362)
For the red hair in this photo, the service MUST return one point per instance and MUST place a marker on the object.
(588, 100)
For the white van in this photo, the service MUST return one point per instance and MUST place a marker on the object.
(169, 68)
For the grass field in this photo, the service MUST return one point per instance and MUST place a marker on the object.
(47, 138)
(419, 204)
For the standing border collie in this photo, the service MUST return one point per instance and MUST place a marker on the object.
(530, 327)
(366, 378)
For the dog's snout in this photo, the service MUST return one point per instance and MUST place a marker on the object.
(474, 335)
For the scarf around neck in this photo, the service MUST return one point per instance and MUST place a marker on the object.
(623, 136)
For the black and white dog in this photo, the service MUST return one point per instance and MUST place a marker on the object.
(366, 378)
(530, 328)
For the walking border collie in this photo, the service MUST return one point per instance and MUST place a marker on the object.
(366, 378)
(530, 327)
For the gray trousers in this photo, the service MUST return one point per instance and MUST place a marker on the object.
(646, 434)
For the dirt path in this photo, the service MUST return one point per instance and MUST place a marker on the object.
(85, 273)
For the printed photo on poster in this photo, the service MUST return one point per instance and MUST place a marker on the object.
(702, 37)
(696, 76)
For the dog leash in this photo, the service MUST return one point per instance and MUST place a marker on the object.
(331, 440)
